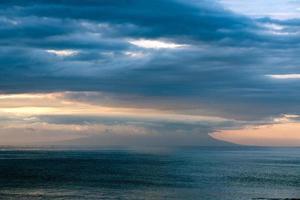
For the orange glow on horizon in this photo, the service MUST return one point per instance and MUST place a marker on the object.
(59, 104)
(282, 134)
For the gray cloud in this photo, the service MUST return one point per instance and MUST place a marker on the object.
(222, 72)
(139, 132)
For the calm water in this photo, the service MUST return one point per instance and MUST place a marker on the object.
(197, 173)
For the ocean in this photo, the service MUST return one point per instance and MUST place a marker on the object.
(208, 173)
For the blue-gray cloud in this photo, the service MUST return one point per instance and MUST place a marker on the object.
(221, 71)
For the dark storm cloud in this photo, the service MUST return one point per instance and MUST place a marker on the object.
(221, 71)
(147, 18)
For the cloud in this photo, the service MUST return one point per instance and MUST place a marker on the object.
(155, 44)
(49, 118)
(62, 52)
(190, 58)
(284, 76)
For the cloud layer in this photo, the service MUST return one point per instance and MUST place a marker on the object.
(195, 58)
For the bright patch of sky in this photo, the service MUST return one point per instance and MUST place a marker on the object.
(156, 44)
(279, 9)
(62, 52)
(284, 76)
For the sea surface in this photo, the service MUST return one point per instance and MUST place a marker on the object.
(177, 173)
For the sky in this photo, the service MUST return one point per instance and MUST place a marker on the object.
(159, 72)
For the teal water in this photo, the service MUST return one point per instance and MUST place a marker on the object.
(182, 173)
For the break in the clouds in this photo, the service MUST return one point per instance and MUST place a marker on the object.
(280, 9)
(231, 60)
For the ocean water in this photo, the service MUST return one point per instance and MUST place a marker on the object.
(180, 173)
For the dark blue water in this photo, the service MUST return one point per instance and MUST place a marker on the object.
(185, 173)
